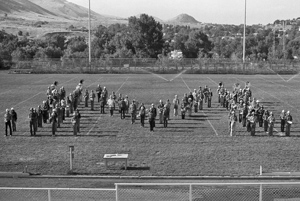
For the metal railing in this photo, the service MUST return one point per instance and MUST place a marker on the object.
(261, 191)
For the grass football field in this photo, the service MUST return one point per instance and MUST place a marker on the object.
(197, 145)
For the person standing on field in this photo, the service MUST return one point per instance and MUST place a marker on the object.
(133, 109)
(152, 116)
(35, 123)
(252, 122)
(102, 104)
(39, 117)
(111, 105)
(289, 121)
(176, 105)
(74, 124)
(92, 98)
(122, 106)
(266, 122)
(209, 97)
(232, 120)
(63, 109)
(32, 118)
(160, 108)
(53, 121)
(201, 98)
(7, 121)
(86, 98)
(271, 121)
(78, 117)
(182, 110)
(45, 108)
(142, 113)
(282, 120)
(14, 118)
(165, 116)
(98, 92)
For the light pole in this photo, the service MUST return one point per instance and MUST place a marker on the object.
(244, 38)
(90, 51)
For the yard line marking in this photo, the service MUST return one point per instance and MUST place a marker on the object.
(292, 77)
(212, 80)
(178, 75)
(271, 95)
(277, 74)
(94, 125)
(210, 124)
(69, 80)
(279, 84)
(5, 92)
(28, 99)
(20, 87)
(43, 80)
(156, 75)
(186, 84)
(202, 110)
(122, 84)
(95, 82)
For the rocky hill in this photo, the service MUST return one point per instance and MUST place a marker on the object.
(183, 19)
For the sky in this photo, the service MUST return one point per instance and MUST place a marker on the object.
(206, 11)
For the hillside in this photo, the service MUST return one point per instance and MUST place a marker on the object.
(22, 6)
(183, 19)
(51, 9)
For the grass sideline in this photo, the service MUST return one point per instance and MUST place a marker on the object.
(186, 148)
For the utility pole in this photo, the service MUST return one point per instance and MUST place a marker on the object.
(274, 43)
(90, 51)
(283, 39)
(244, 38)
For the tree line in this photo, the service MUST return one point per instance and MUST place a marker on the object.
(143, 37)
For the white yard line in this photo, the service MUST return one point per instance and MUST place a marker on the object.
(210, 124)
(156, 75)
(27, 99)
(271, 95)
(5, 92)
(202, 111)
(277, 74)
(69, 80)
(186, 84)
(43, 80)
(292, 77)
(212, 80)
(95, 82)
(279, 84)
(178, 75)
(122, 85)
(94, 125)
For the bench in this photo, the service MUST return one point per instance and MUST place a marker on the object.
(115, 158)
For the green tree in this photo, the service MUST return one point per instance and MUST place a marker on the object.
(147, 36)
(198, 44)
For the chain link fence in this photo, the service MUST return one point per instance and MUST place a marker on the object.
(209, 192)
(62, 194)
(164, 65)
(279, 191)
